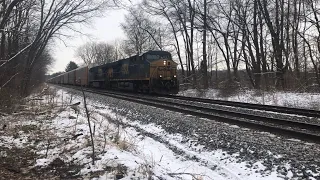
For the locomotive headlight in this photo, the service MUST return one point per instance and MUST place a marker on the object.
(175, 76)
(160, 76)
(164, 62)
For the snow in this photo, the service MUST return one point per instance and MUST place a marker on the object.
(118, 146)
(163, 161)
(9, 141)
(226, 168)
(42, 162)
(289, 99)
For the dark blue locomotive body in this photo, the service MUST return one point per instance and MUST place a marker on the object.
(153, 71)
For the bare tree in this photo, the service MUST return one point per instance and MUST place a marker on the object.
(181, 18)
(142, 33)
(163, 9)
(205, 67)
(272, 40)
(97, 53)
(87, 53)
(14, 38)
(276, 33)
(53, 16)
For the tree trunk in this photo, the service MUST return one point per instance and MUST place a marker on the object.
(205, 68)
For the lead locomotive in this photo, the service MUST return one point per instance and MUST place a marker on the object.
(153, 71)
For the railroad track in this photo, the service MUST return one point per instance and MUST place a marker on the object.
(294, 129)
(278, 109)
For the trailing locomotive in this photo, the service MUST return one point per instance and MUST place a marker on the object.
(153, 71)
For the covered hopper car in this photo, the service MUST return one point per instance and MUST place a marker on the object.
(153, 71)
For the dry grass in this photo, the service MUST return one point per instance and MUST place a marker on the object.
(126, 145)
(146, 169)
(38, 108)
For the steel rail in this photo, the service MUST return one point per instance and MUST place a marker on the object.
(278, 109)
(232, 119)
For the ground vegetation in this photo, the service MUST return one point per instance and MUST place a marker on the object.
(27, 30)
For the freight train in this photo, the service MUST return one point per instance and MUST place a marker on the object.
(150, 72)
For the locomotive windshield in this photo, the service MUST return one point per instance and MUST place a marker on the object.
(157, 56)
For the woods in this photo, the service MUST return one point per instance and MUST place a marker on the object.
(27, 29)
(261, 44)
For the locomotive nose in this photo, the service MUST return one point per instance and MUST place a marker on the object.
(168, 85)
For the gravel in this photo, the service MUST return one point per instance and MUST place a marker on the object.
(252, 146)
(244, 111)
(291, 117)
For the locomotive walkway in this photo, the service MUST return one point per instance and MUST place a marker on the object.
(308, 131)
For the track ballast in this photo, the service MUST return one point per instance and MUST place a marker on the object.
(301, 130)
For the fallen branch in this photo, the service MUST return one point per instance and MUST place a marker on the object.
(48, 146)
(35, 99)
(8, 81)
(3, 114)
(75, 104)
(190, 174)
(31, 113)
(21, 51)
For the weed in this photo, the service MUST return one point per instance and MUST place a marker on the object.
(147, 167)
(29, 128)
(126, 145)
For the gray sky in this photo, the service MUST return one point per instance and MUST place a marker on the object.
(103, 29)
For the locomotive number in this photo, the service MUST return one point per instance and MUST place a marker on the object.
(163, 68)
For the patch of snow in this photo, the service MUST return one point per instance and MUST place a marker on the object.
(234, 126)
(43, 162)
(3, 154)
(289, 99)
(9, 141)
(217, 164)
(118, 146)
(295, 140)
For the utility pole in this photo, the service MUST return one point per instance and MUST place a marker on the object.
(204, 63)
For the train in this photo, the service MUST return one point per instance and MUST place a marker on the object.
(150, 72)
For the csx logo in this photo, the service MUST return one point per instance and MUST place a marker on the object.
(125, 69)
(100, 71)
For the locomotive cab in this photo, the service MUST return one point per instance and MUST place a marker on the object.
(163, 74)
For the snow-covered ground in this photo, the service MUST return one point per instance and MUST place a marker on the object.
(299, 100)
(120, 148)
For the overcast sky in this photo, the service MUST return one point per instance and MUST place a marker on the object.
(103, 29)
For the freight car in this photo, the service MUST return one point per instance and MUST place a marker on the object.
(153, 71)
